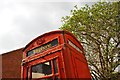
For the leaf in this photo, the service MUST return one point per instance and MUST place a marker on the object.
(98, 27)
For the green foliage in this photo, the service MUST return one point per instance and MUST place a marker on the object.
(97, 27)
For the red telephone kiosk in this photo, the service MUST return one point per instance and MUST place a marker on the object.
(54, 55)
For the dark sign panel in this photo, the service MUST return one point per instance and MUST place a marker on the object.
(43, 47)
(74, 46)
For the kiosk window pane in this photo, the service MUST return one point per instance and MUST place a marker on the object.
(54, 42)
(41, 70)
(30, 53)
(56, 78)
(55, 66)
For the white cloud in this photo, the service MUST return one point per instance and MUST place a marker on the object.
(23, 20)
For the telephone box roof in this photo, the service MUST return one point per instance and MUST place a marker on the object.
(52, 32)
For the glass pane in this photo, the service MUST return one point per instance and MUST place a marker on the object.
(41, 70)
(55, 66)
(30, 53)
(56, 78)
(54, 42)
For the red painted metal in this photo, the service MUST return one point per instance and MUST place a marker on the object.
(68, 53)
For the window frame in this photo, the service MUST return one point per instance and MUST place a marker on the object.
(53, 75)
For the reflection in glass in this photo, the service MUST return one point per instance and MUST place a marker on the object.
(41, 70)
(56, 78)
(55, 66)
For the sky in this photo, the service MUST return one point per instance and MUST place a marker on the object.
(23, 20)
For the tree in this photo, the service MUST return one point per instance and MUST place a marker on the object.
(97, 28)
